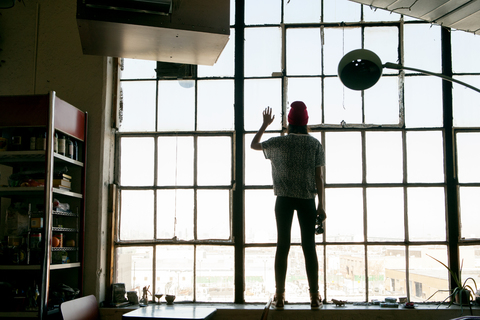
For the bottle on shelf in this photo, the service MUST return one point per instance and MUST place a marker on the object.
(3, 142)
(41, 141)
(55, 143)
(69, 147)
(16, 143)
(62, 145)
(32, 140)
(75, 150)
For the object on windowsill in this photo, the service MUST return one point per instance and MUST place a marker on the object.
(390, 300)
(144, 300)
(170, 298)
(409, 305)
(339, 303)
(388, 305)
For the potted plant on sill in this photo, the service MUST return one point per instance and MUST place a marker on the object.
(462, 294)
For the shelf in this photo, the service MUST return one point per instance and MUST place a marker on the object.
(67, 193)
(59, 157)
(64, 248)
(61, 266)
(12, 191)
(22, 156)
(66, 214)
(16, 314)
(33, 156)
(20, 267)
(62, 229)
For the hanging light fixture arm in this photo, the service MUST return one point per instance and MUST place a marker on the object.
(396, 66)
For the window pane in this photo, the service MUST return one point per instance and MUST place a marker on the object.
(309, 91)
(338, 211)
(136, 162)
(138, 69)
(136, 222)
(262, 12)
(469, 212)
(260, 225)
(382, 102)
(386, 272)
(303, 51)
(215, 105)
(427, 276)
(465, 46)
(470, 255)
(175, 214)
(262, 51)
(213, 214)
(175, 161)
(341, 11)
(214, 161)
(176, 105)
(423, 102)
(174, 271)
(337, 43)
(138, 106)
(425, 156)
(259, 274)
(346, 273)
(468, 156)
(302, 11)
(466, 102)
(134, 267)
(342, 105)
(258, 170)
(215, 274)
(343, 157)
(224, 67)
(426, 214)
(384, 42)
(384, 157)
(422, 47)
(385, 216)
(259, 94)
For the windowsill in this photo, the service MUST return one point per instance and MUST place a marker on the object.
(306, 307)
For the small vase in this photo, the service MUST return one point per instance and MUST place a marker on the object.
(462, 297)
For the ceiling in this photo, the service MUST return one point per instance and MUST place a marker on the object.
(456, 14)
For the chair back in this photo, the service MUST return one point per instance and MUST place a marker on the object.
(85, 308)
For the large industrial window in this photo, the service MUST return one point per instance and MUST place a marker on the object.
(393, 184)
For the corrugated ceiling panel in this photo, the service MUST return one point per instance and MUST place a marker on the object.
(456, 14)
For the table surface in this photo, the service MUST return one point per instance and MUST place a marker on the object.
(171, 312)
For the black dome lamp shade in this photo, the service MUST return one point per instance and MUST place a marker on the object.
(360, 69)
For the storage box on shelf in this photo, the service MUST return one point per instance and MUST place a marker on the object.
(42, 203)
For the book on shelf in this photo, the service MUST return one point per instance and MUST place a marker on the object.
(62, 176)
(59, 183)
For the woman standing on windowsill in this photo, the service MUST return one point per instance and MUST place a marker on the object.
(298, 162)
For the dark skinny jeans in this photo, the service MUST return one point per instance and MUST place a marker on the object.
(307, 213)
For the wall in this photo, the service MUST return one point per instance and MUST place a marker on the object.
(40, 51)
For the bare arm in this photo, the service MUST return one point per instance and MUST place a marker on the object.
(320, 183)
(267, 120)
